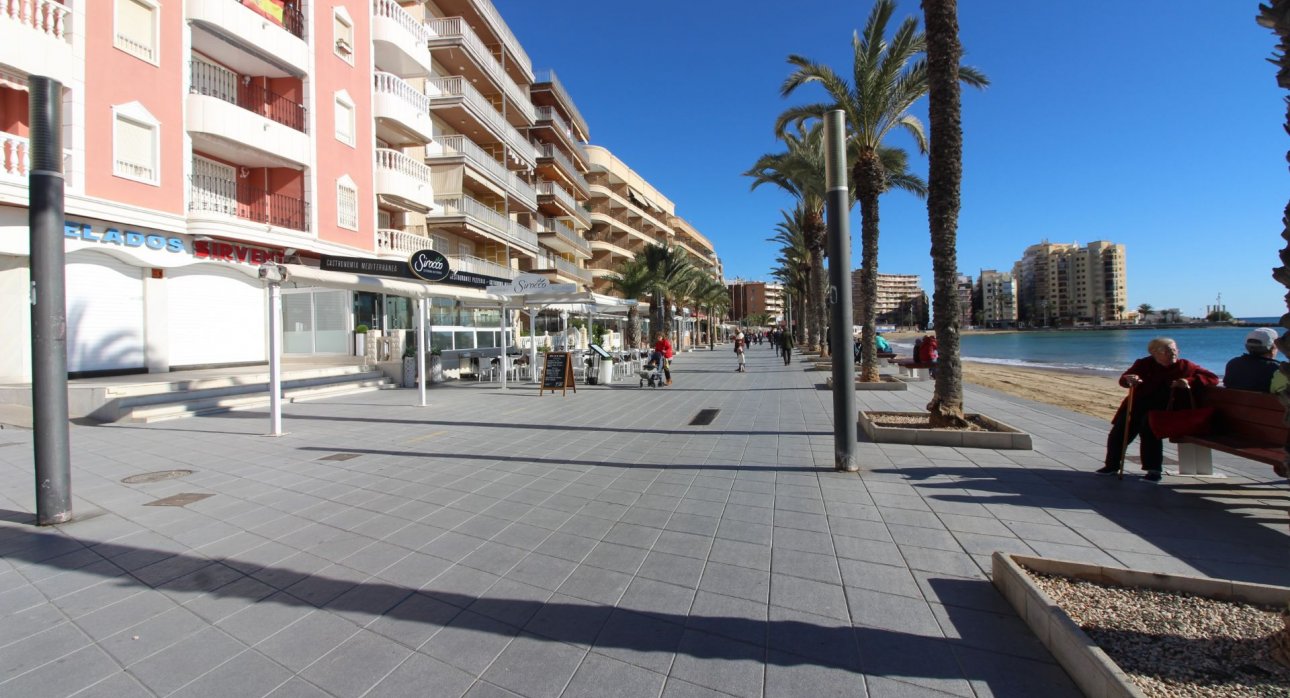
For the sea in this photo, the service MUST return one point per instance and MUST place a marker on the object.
(1107, 352)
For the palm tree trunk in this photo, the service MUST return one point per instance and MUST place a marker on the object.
(945, 174)
(819, 284)
(868, 177)
(633, 332)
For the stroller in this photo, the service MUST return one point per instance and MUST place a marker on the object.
(651, 373)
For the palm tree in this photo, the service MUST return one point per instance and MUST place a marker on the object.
(714, 297)
(1275, 15)
(800, 172)
(1144, 310)
(889, 78)
(668, 267)
(793, 264)
(632, 282)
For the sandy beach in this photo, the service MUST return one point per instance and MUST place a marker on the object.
(1094, 395)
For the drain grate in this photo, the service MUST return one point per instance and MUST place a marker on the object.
(156, 477)
(340, 456)
(178, 500)
(704, 417)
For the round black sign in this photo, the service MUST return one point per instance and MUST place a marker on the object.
(429, 265)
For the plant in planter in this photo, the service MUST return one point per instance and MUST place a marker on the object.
(360, 340)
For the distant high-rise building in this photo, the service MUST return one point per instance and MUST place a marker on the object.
(895, 292)
(1061, 283)
(965, 291)
(756, 297)
(998, 292)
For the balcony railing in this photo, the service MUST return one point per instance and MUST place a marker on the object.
(48, 17)
(221, 83)
(550, 114)
(15, 158)
(486, 8)
(392, 10)
(388, 159)
(476, 103)
(475, 265)
(562, 265)
(487, 217)
(456, 27)
(241, 200)
(548, 150)
(397, 86)
(548, 76)
(564, 231)
(448, 146)
(564, 197)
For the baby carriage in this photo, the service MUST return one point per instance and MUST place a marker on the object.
(651, 373)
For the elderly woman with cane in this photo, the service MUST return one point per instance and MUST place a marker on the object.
(1151, 381)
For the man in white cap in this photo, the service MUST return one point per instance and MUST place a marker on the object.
(1253, 370)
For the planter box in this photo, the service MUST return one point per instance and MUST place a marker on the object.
(1087, 663)
(997, 436)
(885, 383)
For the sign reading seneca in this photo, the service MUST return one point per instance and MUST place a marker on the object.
(429, 265)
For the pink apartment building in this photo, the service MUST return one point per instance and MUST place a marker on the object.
(205, 137)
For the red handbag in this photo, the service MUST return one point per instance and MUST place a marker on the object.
(1171, 424)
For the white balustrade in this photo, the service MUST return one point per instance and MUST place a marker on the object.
(549, 150)
(398, 87)
(397, 161)
(392, 10)
(548, 76)
(15, 156)
(48, 17)
(457, 28)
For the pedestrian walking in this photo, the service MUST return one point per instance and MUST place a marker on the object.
(786, 345)
(741, 343)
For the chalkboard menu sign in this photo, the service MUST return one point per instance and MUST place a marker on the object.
(557, 373)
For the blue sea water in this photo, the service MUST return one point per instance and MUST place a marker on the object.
(1110, 351)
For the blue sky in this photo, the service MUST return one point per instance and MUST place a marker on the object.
(1154, 125)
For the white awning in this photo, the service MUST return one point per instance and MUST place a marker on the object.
(380, 284)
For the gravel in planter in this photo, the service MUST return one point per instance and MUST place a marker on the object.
(1176, 644)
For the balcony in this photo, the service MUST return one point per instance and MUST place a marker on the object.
(402, 181)
(559, 235)
(547, 77)
(15, 160)
(561, 266)
(213, 197)
(485, 219)
(399, 41)
(457, 147)
(452, 34)
(550, 118)
(565, 200)
(475, 265)
(489, 17)
(567, 169)
(402, 111)
(457, 101)
(232, 33)
(245, 124)
(36, 38)
(612, 248)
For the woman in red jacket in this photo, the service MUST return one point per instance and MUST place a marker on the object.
(663, 355)
(1153, 379)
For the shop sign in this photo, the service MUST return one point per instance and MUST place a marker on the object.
(408, 269)
(429, 265)
(233, 252)
(73, 230)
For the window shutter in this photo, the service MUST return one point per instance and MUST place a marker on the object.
(135, 148)
(134, 27)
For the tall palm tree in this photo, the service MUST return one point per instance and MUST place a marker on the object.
(1144, 310)
(800, 172)
(889, 78)
(631, 281)
(1275, 15)
(793, 264)
(668, 267)
(945, 169)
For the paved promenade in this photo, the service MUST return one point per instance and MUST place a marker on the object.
(500, 543)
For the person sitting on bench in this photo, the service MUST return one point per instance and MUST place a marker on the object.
(1253, 370)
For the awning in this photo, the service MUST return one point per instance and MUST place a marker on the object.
(382, 284)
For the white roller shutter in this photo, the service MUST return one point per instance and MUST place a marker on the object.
(215, 315)
(104, 314)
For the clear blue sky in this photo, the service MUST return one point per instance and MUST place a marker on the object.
(1157, 126)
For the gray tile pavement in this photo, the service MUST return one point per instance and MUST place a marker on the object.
(504, 544)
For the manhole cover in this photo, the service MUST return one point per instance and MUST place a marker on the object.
(178, 500)
(704, 417)
(340, 456)
(156, 477)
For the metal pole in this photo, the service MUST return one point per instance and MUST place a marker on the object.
(422, 349)
(844, 369)
(275, 358)
(48, 299)
(533, 367)
(501, 343)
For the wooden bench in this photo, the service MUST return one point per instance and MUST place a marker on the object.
(1245, 424)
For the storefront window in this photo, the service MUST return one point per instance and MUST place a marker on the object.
(399, 313)
(441, 341)
(487, 340)
(367, 309)
(465, 340)
(442, 311)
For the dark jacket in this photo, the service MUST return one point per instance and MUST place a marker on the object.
(1250, 372)
(1154, 390)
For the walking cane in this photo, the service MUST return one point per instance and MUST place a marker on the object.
(1124, 446)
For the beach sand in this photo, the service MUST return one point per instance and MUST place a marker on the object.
(1094, 395)
(1097, 396)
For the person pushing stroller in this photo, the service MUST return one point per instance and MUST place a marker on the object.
(661, 357)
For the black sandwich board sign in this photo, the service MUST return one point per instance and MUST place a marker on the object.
(557, 373)
(426, 260)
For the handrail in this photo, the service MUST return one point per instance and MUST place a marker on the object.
(390, 159)
(392, 10)
(397, 86)
(489, 217)
(456, 86)
(455, 144)
(456, 27)
(486, 9)
(564, 231)
(548, 76)
(223, 84)
(553, 189)
(548, 150)
(242, 200)
(45, 16)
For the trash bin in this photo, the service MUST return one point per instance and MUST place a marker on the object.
(604, 370)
